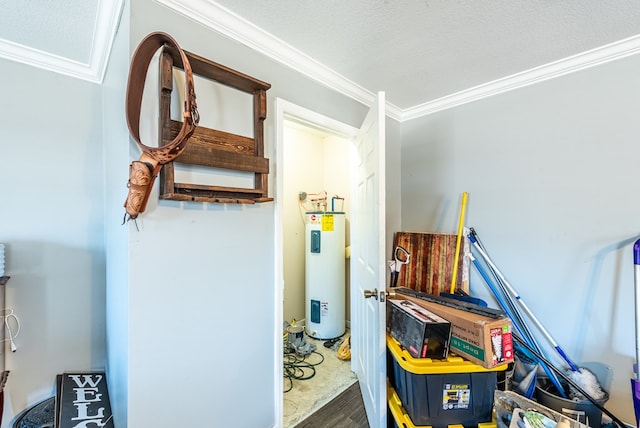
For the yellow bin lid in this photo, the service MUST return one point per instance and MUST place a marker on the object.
(453, 363)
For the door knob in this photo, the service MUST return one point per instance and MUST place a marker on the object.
(383, 294)
(369, 293)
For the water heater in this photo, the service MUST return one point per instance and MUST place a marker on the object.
(325, 310)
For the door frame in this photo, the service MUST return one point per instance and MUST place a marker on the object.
(286, 110)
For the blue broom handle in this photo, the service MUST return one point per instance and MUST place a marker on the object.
(518, 324)
(515, 294)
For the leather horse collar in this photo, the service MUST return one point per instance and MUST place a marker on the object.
(142, 173)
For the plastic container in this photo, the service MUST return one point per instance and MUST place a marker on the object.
(398, 417)
(583, 410)
(440, 393)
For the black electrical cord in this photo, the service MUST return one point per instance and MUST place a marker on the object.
(331, 342)
(570, 382)
(297, 367)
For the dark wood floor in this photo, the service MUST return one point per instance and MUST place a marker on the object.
(344, 411)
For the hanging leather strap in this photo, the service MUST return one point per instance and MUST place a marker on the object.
(144, 171)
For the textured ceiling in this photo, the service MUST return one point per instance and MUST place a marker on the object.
(420, 50)
(72, 37)
(60, 27)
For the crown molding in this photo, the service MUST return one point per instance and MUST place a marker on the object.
(107, 20)
(581, 61)
(107, 23)
(231, 25)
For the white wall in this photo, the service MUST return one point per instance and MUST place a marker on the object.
(551, 172)
(201, 277)
(52, 222)
(181, 289)
(116, 149)
(313, 162)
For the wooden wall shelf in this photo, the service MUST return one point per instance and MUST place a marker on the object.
(214, 148)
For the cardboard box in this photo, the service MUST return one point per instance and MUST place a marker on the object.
(482, 339)
(421, 332)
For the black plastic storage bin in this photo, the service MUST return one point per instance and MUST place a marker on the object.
(439, 393)
(397, 417)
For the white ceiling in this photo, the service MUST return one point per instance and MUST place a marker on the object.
(421, 50)
(72, 37)
(425, 54)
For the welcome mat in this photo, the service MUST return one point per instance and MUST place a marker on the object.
(82, 401)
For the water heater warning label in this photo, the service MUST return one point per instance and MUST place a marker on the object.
(456, 396)
(324, 309)
(327, 223)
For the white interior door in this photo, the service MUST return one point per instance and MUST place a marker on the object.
(368, 347)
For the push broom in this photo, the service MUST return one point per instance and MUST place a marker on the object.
(582, 376)
(508, 306)
(456, 256)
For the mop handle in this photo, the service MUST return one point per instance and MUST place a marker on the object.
(515, 294)
(518, 323)
(636, 291)
(456, 255)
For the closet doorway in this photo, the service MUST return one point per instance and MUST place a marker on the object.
(314, 162)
